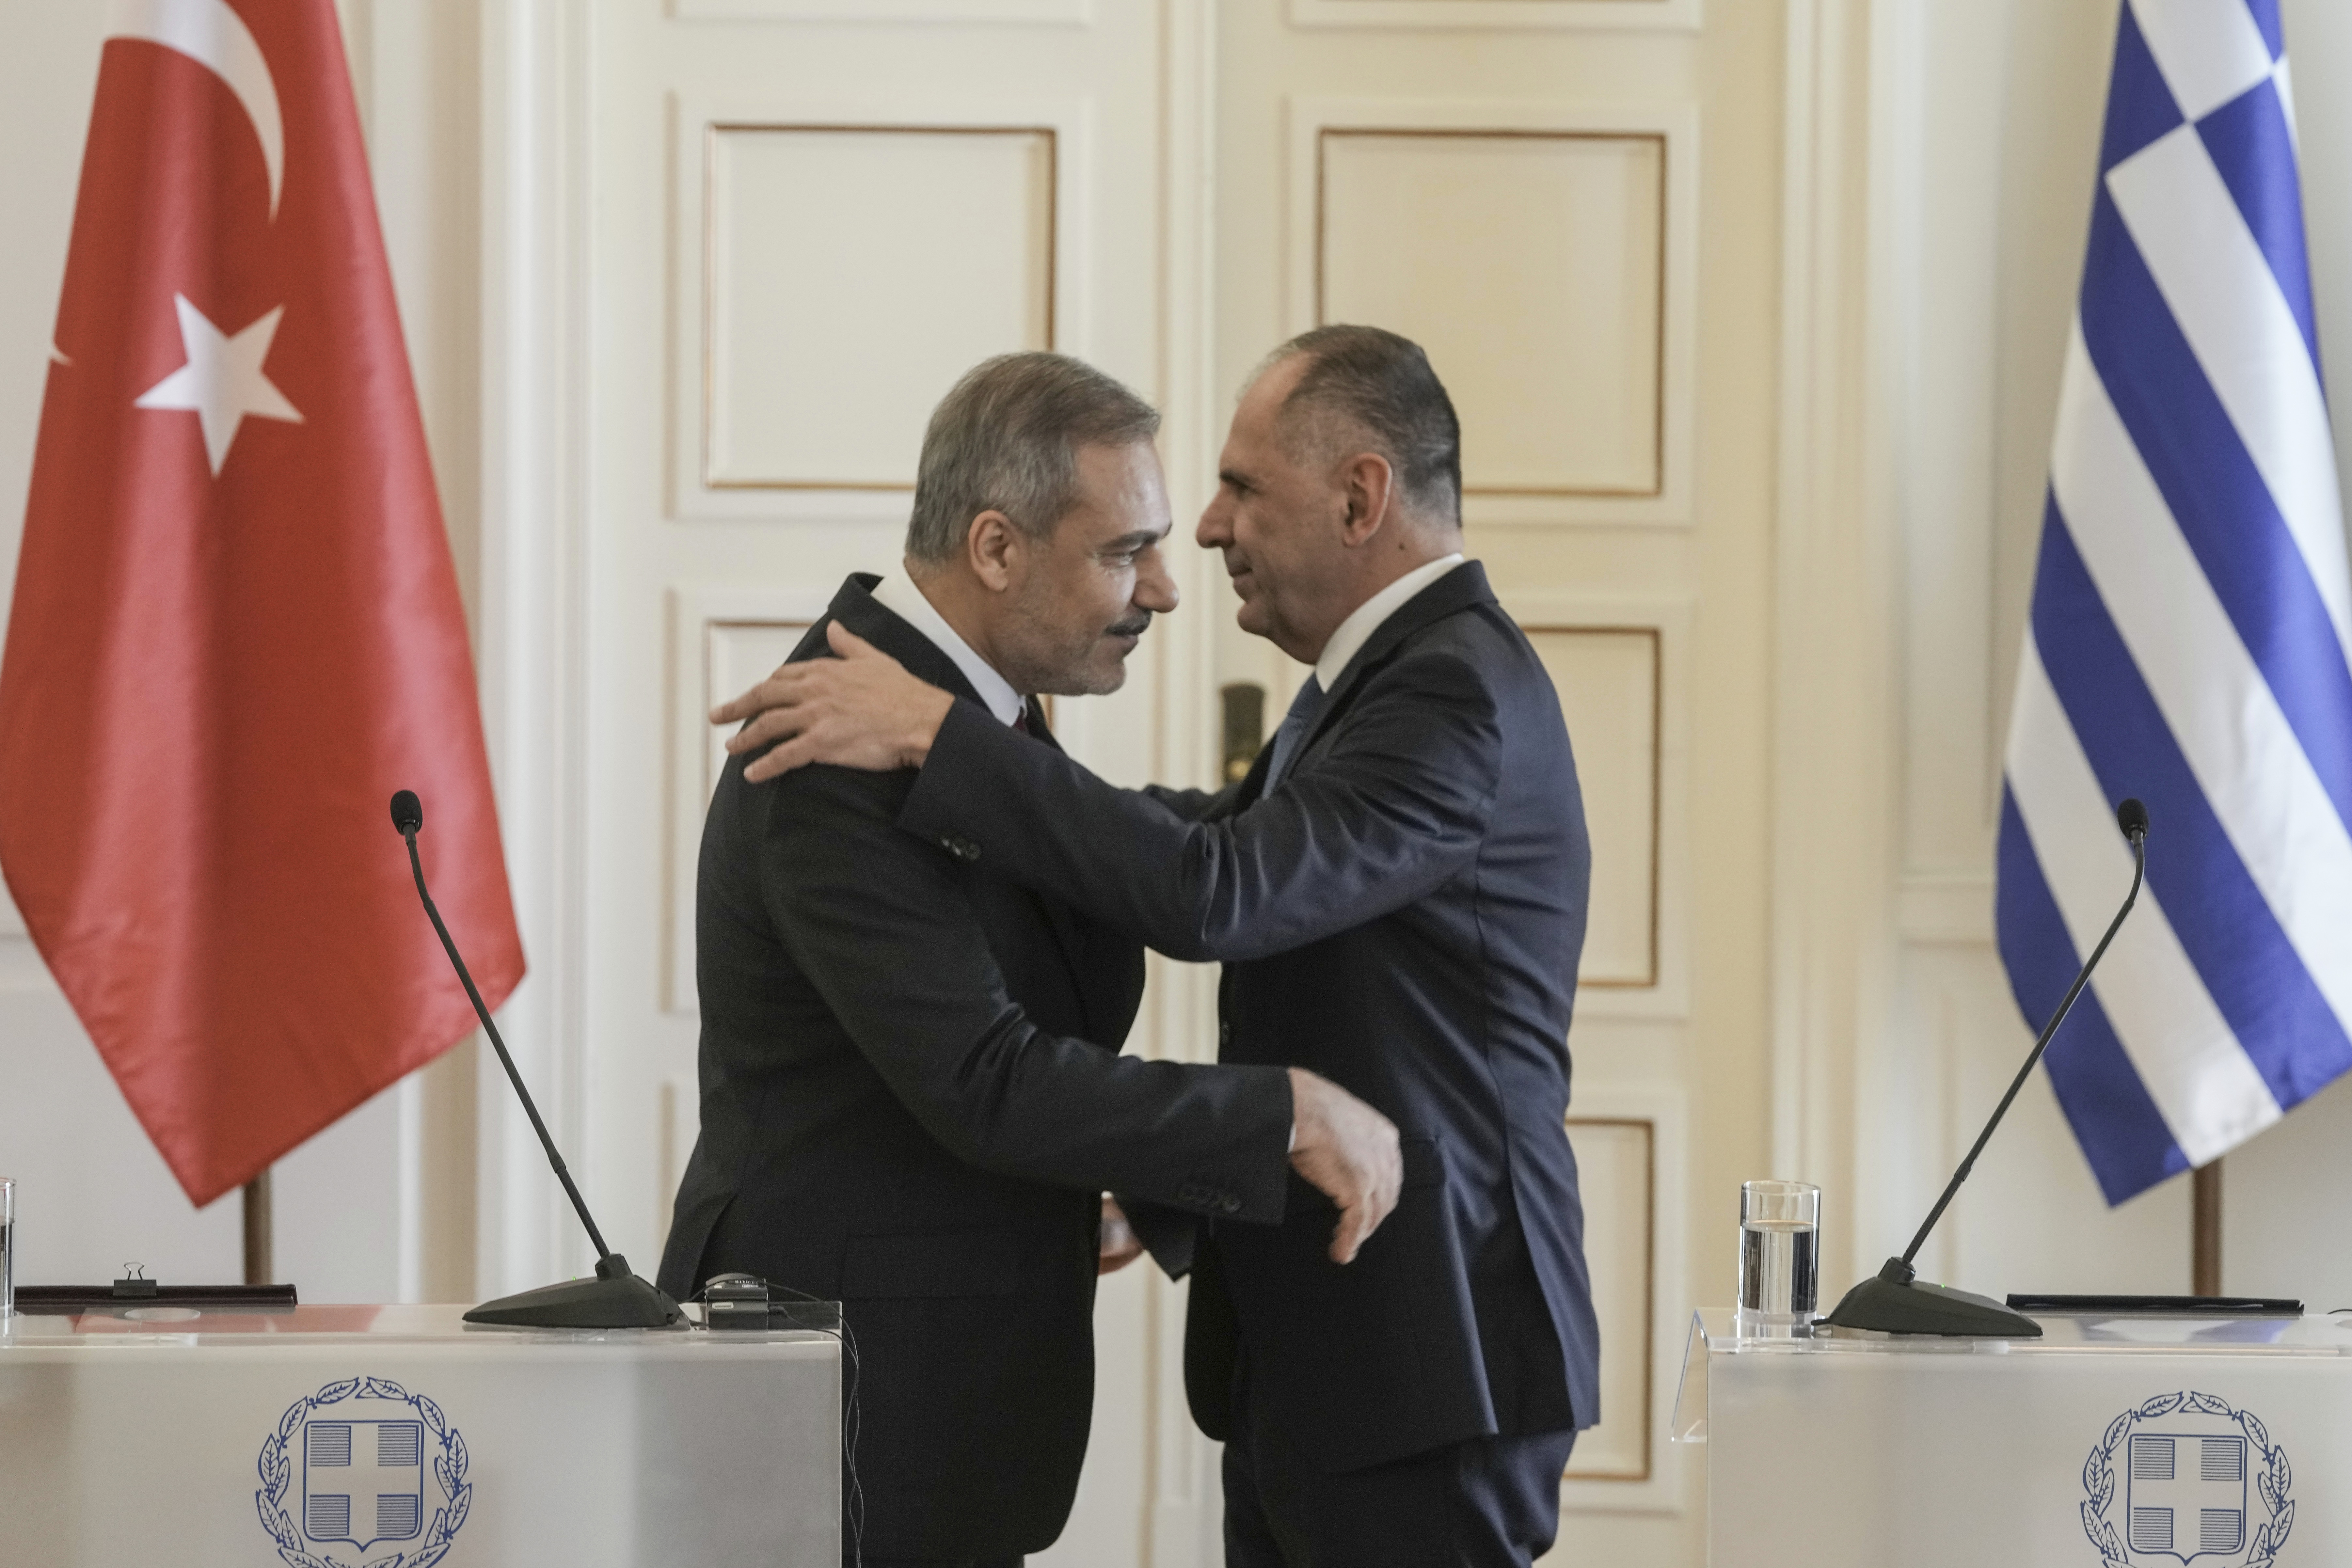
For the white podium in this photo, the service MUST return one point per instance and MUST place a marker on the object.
(402, 1437)
(2121, 1442)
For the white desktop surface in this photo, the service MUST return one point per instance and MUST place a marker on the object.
(1845, 1450)
(159, 1440)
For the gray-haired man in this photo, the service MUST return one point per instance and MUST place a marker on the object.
(911, 1095)
(1397, 893)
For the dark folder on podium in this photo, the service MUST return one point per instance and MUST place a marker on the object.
(135, 1292)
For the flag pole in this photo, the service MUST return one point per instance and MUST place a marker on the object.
(2205, 1229)
(258, 1268)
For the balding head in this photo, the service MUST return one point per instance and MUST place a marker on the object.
(1365, 389)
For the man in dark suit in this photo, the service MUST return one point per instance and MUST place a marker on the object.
(1398, 892)
(906, 1100)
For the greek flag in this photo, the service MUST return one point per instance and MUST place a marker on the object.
(2187, 639)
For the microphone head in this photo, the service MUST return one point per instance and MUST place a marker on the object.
(2132, 817)
(409, 811)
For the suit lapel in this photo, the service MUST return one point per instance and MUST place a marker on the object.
(855, 608)
(1458, 590)
(1067, 929)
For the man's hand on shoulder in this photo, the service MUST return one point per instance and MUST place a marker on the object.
(859, 710)
(1350, 1152)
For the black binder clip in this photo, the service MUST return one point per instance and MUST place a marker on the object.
(735, 1301)
(134, 1285)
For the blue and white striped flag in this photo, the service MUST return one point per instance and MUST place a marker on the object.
(2187, 641)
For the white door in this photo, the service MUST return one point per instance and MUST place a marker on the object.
(804, 219)
(1531, 190)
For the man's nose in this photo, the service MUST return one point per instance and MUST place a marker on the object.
(1155, 585)
(1216, 530)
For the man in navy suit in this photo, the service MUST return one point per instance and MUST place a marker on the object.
(1397, 892)
(912, 1091)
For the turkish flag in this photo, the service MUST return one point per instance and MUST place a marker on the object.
(236, 628)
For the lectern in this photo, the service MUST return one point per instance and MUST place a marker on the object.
(345, 1435)
(2110, 1442)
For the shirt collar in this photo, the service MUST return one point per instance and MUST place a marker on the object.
(1366, 619)
(901, 598)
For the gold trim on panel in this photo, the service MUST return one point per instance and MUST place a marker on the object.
(713, 130)
(711, 695)
(711, 630)
(1658, 773)
(1323, 137)
(1649, 1127)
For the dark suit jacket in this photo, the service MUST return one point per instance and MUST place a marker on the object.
(1404, 914)
(907, 1106)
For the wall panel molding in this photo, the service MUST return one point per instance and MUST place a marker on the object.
(1636, 779)
(1546, 367)
(752, 433)
(723, 639)
(1947, 910)
(1598, 262)
(787, 403)
(969, 13)
(1548, 15)
(1631, 1154)
(1618, 740)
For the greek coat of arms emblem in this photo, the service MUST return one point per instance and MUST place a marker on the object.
(359, 1466)
(2183, 1478)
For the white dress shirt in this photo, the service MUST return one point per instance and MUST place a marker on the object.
(902, 598)
(1366, 619)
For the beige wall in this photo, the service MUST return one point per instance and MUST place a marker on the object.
(1776, 542)
(1994, 153)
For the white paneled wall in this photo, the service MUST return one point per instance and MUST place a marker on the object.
(1992, 112)
(1528, 262)
(1609, 693)
(820, 242)
(1754, 313)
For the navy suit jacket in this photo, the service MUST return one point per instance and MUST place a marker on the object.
(1404, 914)
(911, 1099)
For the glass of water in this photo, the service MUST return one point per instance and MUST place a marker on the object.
(7, 1249)
(1780, 1260)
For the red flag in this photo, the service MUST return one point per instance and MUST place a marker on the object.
(237, 629)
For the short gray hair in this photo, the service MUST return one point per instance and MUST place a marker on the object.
(1007, 439)
(1368, 384)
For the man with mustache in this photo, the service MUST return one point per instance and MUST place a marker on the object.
(911, 1094)
(1398, 892)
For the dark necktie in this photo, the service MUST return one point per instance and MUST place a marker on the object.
(1297, 725)
(1021, 719)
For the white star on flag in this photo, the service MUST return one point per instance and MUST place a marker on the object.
(222, 381)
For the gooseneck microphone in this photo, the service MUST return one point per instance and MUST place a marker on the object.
(615, 1297)
(1894, 1301)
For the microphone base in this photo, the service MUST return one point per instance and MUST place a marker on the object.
(1891, 1303)
(620, 1301)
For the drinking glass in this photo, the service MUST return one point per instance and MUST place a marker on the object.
(1779, 1259)
(7, 1249)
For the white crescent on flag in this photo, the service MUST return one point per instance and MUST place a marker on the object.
(216, 38)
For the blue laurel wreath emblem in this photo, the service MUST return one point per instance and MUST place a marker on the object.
(275, 1465)
(2273, 1477)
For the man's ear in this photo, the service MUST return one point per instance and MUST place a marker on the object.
(1369, 483)
(993, 548)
